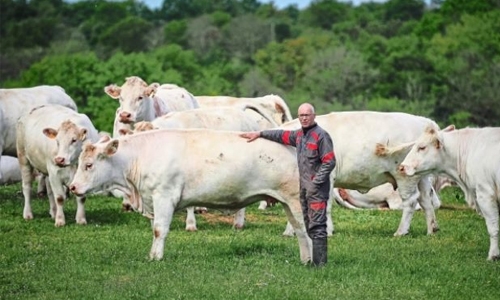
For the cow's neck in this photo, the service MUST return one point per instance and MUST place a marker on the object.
(455, 164)
(149, 110)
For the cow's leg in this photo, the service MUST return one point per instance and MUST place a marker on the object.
(59, 195)
(190, 219)
(329, 220)
(239, 219)
(41, 189)
(488, 205)
(164, 211)
(263, 205)
(409, 194)
(27, 181)
(80, 211)
(289, 231)
(52, 202)
(426, 202)
(296, 219)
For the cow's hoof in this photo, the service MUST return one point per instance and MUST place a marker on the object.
(81, 222)
(191, 228)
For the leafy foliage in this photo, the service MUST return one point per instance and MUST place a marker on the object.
(440, 59)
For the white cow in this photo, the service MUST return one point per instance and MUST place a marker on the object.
(470, 157)
(382, 197)
(197, 167)
(49, 140)
(14, 103)
(358, 137)
(10, 172)
(142, 102)
(274, 106)
(220, 118)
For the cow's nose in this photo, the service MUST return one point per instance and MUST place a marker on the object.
(401, 169)
(125, 117)
(59, 161)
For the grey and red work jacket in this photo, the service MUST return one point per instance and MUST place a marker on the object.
(315, 157)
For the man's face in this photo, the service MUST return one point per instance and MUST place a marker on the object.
(306, 116)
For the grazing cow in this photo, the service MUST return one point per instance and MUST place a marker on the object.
(9, 170)
(470, 157)
(49, 140)
(274, 106)
(358, 137)
(16, 102)
(142, 102)
(220, 118)
(210, 168)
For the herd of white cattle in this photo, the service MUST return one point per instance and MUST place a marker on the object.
(171, 150)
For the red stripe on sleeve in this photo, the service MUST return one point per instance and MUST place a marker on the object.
(286, 137)
(328, 157)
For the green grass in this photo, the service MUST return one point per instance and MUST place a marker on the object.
(108, 258)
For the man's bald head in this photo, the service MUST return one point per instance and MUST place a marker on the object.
(306, 115)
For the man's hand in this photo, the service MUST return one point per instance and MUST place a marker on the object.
(250, 136)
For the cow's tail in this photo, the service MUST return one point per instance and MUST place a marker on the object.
(261, 112)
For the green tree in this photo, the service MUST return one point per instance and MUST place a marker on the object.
(130, 34)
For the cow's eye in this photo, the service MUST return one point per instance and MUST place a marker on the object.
(73, 141)
(421, 148)
(88, 166)
(140, 97)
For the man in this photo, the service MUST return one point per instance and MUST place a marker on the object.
(316, 160)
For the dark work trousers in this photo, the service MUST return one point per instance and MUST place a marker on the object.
(314, 210)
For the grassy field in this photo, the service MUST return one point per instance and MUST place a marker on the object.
(108, 258)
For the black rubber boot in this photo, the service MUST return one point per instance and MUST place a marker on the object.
(320, 252)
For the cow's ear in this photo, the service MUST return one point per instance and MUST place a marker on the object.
(113, 91)
(111, 148)
(83, 134)
(151, 89)
(449, 128)
(51, 133)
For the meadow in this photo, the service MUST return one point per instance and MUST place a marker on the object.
(108, 258)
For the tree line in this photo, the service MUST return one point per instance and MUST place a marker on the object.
(438, 59)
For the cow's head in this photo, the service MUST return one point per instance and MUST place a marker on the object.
(426, 154)
(69, 139)
(95, 170)
(135, 99)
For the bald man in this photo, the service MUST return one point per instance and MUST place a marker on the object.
(316, 160)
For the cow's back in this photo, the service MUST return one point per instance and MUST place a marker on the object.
(272, 105)
(17, 102)
(223, 118)
(175, 98)
(355, 135)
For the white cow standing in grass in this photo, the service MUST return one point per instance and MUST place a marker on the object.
(220, 118)
(49, 140)
(470, 157)
(362, 164)
(16, 102)
(197, 167)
